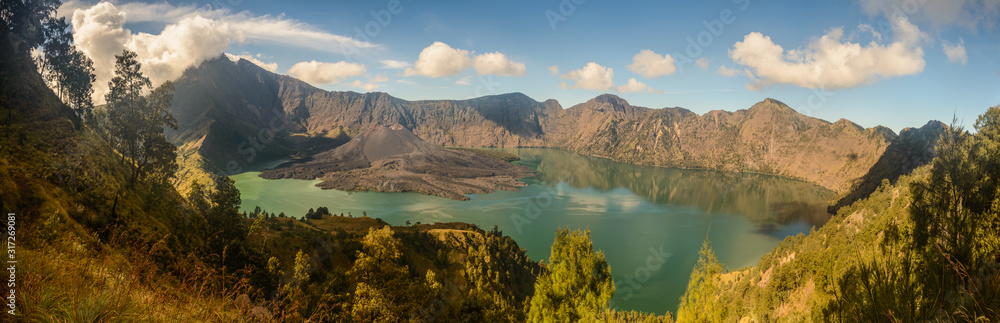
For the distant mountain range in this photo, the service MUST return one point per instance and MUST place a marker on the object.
(233, 114)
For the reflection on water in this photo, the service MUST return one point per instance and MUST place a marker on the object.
(768, 201)
(634, 213)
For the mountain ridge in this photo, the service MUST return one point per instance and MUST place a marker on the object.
(606, 125)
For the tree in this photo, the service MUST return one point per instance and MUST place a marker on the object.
(301, 271)
(956, 217)
(78, 81)
(68, 70)
(952, 206)
(578, 285)
(380, 278)
(137, 122)
(320, 212)
(224, 219)
(23, 20)
(384, 289)
(500, 276)
(698, 303)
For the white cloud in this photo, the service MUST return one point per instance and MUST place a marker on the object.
(179, 46)
(191, 35)
(388, 63)
(98, 32)
(592, 77)
(270, 67)
(326, 73)
(372, 84)
(554, 70)
(727, 72)
(497, 63)
(274, 29)
(634, 85)
(439, 60)
(955, 53)
(652, 65)
(967, 13)
(702, 63)
(828, 62)
(465, 80)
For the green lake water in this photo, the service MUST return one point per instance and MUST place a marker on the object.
(649, 221)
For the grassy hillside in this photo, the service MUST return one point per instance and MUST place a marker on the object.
(924, 248)
(92, 249)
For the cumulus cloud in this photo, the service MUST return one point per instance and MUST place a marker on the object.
(702, 63)
(971, 14)
(592, 77)
(326, 73)
(554, 70)
(184, 44)
(497, 63)
(634, 85)
(191, 35)
(956, 52)
(727, 72)
(267, 28)
(829, 61)
(372, 84)
(465, 80)
(388, 63)
(98, 32)
(652, 65)
(438, 60)
(270, 67)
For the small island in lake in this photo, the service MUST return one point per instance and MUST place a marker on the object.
(390, 158)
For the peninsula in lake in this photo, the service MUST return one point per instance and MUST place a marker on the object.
(392, 159)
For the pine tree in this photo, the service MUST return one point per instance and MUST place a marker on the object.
(69, 71)
(137, 121)
(381, 278)
(578, 285)
(698, 303)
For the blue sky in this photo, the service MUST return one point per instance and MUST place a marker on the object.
(875, 62)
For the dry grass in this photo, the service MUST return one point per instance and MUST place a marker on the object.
(72, 282)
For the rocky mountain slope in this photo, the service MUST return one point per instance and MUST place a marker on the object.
(233, 114)
(769, 138)
(914, 147)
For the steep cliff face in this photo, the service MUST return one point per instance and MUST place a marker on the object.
(238, 107)
(768, 138)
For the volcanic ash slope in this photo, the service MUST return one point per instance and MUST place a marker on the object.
(390, 158)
